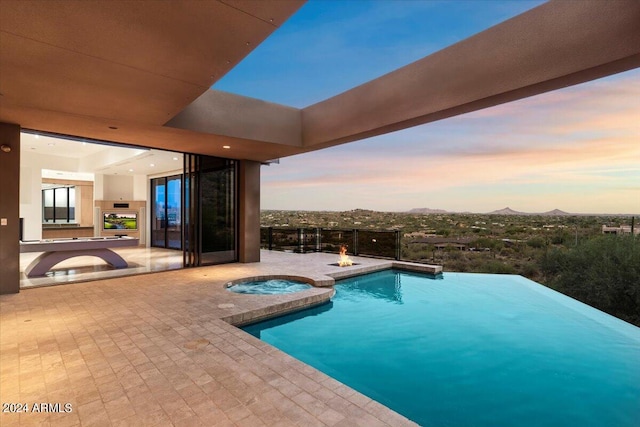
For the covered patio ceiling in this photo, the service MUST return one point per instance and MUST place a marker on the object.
(140, 72)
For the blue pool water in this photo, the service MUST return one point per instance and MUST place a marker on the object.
(470, 350)
(269, 287)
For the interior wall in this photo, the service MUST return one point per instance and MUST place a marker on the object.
(118, 187)
(140, 184)
(31, 165)
(31, 202)
(98, 187)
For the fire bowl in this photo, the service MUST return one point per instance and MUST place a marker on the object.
(335, 264)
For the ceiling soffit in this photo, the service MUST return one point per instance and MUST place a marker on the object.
(160, 137)
(226, 114)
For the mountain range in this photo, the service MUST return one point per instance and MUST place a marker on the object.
(504, 211)
(509, 211)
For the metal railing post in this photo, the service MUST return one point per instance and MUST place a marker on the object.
(355, 241)
(398, 246)
(318, 239)
(270, 238)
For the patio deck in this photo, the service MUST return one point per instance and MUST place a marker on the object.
(157, 349)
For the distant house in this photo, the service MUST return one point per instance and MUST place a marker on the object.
(511, 242)
(438, 242)
(418, 234)
(623, 229)
(441, 246)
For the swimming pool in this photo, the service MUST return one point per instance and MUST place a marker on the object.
(470, 349)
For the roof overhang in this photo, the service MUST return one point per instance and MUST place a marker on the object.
(145, 69)
(555, 45)
(84, 68)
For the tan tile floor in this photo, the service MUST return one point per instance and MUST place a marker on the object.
(153, 350)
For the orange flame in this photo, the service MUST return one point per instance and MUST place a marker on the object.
(344, 258)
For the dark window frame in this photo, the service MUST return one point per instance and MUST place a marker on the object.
(67, 208)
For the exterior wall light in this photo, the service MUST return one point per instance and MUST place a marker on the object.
(5, 148)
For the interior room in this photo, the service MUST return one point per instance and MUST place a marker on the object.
(75, 189)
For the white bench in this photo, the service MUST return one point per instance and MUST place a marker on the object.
(57, 250)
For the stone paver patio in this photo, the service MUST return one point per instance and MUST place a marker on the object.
(161, 349)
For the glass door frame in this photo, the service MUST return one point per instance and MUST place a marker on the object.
(165, 224)
(192, 197)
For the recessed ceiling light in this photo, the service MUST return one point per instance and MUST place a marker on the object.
(175, 158)
(226, 147)
(151, 164)
(84, 143)
(37, 136)
(130, 170)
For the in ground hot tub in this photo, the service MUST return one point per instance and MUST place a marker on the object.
(268, 287)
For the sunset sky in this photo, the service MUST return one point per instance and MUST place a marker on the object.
(576, 149)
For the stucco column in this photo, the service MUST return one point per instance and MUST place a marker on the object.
(9, 208)
(249, 211)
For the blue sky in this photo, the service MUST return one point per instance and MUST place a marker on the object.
(577, 149)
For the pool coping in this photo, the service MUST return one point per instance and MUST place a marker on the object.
(303, 302)
(359, 270)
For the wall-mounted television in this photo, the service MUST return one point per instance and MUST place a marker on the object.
(120, 221)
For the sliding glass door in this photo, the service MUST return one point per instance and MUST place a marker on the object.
(159, 212)
(174, 212)
(197, 211)
(218, 190)
(210, 211)
(166, 212)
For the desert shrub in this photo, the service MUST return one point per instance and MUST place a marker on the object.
(529, 270)
(459, 265)
(536, 242)
(496, 267)
(603, 272)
